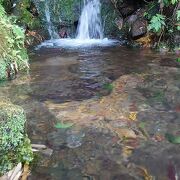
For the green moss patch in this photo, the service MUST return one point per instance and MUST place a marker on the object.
(15, 147)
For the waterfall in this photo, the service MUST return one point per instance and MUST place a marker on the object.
(51, 28)
(89, 32)
(90, 26)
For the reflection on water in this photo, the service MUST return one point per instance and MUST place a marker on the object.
(68, 86)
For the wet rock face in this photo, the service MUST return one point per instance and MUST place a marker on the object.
(128, 7)
(131, 19)
(139, 28)
(127, 10)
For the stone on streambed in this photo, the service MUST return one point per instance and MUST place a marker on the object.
(74, 138)
(65, 138)
(57, 139)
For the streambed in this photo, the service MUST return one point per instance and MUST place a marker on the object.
(119, 103)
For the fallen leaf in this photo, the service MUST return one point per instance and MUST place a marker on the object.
(144, 173)
(63, 126)
(127, 151)
(133, 116)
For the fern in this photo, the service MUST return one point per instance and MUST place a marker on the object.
(157, 23)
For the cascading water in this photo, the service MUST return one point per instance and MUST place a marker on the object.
(51, 28)
(89, 33)
(90, 26)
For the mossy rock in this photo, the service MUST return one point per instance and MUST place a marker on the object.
(13, 55)
(15, 147)
(3, 74)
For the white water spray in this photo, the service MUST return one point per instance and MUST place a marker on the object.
(89, 33)
(51, 28)
(90, 26)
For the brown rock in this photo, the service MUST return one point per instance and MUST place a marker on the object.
(119, 23)
(125, 132)
(139, 28)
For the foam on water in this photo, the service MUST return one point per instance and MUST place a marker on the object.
(77, 43)
(89, 32)
(90, 25)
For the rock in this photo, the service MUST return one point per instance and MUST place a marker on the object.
(131, 19)
(119, 23)
(177, 39)
(57, 139)
(123, 176)
(63, 33)
(126, 8)
(74, 139)
(47, 152)
(125, 132)
(38, 146)
(139, 28)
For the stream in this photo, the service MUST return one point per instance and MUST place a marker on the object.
(103, 112)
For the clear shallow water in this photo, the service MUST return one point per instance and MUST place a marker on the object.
(66, 85)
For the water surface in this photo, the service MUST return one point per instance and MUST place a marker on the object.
(73, 86)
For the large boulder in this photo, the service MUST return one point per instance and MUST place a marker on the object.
(139, 28)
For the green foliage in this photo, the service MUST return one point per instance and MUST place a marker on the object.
(178, 59)
(12, 49)
(3, 73)
(172, 139)
(152, 9)
(168, 2)
(108, 86)
(14, 145)
(25, 17)
(157, 23)
(63, 126)
(164, 20)
(11, 125)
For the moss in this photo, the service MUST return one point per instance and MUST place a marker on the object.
(13, 55)
(14, 145)
(109, 16)
(3, 73)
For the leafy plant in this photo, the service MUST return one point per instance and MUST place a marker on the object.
(165, 24)
(157, 23)
(108, 86)
(13, 55)
(15, 147)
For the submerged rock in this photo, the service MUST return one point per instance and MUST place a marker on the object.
(74, 139)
